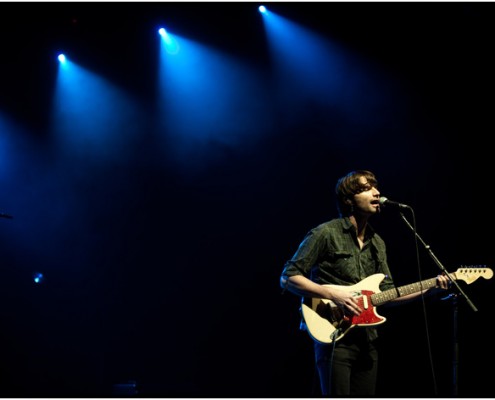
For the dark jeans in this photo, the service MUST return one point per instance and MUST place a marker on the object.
(352, 370)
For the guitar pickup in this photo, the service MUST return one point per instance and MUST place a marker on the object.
(362, 300)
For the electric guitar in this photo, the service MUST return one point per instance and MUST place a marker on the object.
(326, 322)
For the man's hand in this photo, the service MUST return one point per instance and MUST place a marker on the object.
(443, 282)
(346, 301)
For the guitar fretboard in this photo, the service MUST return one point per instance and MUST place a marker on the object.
(391, 294)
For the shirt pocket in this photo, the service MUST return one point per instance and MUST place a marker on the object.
(340, 261)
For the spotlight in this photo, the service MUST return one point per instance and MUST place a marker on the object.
(171, 46)
(262, 9)
(38, 277)
(61, 58)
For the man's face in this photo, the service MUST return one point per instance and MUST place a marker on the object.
(367, 200)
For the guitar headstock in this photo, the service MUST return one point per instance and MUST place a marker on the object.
(470, 274)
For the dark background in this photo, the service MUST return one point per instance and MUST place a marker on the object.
(170, 279)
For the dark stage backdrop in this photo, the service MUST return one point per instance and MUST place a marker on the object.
(161, 262)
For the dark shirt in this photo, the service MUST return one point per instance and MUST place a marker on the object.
(330, 254)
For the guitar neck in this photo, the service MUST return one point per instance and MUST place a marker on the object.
(391, 294)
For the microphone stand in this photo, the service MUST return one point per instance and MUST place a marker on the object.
(454, 297)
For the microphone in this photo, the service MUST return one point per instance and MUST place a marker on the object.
(386, 202)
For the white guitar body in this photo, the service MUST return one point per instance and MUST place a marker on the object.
(326, 322)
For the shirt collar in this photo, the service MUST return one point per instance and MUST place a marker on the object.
(348, 226)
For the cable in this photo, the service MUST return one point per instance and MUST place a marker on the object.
(423, 302)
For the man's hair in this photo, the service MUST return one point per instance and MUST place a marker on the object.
(348, 186)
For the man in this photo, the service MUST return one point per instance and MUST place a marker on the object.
(339, 253)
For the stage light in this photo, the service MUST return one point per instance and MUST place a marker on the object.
(171, 46)
(262, 9)
(38, 277)
(61, 58)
